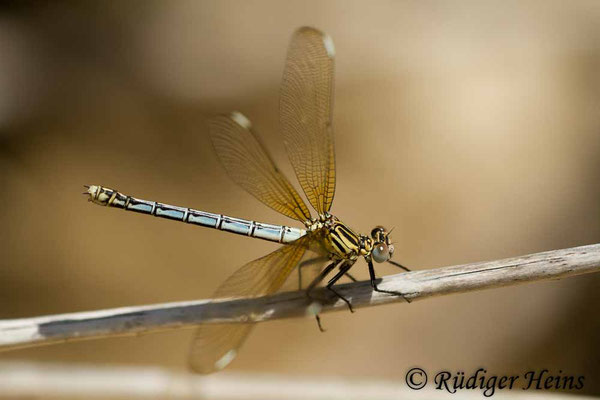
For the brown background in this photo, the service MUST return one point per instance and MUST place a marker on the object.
(472, 127)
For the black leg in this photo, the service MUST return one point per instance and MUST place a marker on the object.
(398, 265)
(353, 279)
(343, 270)
(374, 282)
(319, 323)
(306, 263)
(315, 282)
(321, 276)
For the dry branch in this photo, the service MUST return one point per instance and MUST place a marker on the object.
(25, 332)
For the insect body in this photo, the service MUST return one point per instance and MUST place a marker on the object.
(326, 243)
(340, 241)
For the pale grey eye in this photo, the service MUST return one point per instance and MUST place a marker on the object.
(381, 252)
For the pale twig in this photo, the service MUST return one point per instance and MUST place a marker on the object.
(414, 285)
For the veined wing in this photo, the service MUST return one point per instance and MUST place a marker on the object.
(305, 114)
(215, 346)
(250, 166)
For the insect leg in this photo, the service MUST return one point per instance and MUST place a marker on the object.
(374, 282)
(315, 282)
(353, 279)
(343, 270)
(321, 276)
(398, 265)
(306, 263)
(318, 318)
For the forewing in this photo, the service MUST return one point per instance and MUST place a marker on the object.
(215, 346)
(250, 166)
(305, 114)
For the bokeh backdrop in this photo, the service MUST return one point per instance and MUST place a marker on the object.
(471, 127)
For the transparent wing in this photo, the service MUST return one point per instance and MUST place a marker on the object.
(305, 114)
(215, 346)
(307, 270)
(250, 166)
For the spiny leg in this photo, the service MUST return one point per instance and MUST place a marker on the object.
(398, 265)
(374, 282)
(343, 270)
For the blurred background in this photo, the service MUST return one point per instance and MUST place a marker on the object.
(471, 127)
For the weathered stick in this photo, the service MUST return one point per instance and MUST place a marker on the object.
(25, 332)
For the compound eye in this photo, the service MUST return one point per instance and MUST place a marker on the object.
(381, 252)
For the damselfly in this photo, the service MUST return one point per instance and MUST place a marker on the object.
(324, 244)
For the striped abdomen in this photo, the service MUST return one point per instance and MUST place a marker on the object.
(275, 233)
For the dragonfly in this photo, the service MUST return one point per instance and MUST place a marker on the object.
(324, 246)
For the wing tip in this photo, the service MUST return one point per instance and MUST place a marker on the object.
(325, 38)
(225, 360)
(204, 368)
(240, 119)
(329, 46)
